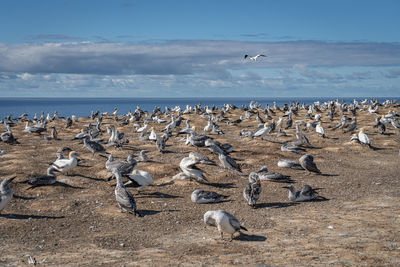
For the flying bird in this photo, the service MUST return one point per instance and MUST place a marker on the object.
(255, 57)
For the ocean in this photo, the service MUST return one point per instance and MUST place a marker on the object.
(81, 107)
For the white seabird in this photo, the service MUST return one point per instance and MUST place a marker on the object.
(224, 221)
(363, 138)
(65, 165)
(139, 179)
(255, 57)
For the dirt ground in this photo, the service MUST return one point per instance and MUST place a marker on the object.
(77, 221)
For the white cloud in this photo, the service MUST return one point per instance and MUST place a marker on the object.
(196, 68)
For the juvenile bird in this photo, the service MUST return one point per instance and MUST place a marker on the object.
(307, 162)
(124, 198)
(252, 191)
(6, 192)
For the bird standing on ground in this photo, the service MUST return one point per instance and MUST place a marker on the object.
(124, 198)
(93, 146)
(363, 138)
(228, 162)
(252, 191)
(224, 221)
(6, 192)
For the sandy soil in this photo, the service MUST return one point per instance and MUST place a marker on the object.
(77, 221)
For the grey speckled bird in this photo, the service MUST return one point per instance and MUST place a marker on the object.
(307, 162)
(125, 167)
(93, 146)
(228, 162)
(6, 192)
(307, 193)
(203, 196)
(266, 175)
(124, 198)
(252, 191)
(43, 179)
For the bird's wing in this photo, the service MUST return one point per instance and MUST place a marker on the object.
(125, 198)
(312, 166)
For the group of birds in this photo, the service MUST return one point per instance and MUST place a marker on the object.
(92, 139)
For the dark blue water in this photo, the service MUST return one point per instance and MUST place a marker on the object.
(83, 106)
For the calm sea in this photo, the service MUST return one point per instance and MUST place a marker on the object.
(83, 106)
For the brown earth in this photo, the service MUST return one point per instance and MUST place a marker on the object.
(77, 222)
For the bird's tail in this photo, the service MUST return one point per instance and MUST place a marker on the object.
(244, 228)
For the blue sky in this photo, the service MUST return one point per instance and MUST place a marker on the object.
(196, 48)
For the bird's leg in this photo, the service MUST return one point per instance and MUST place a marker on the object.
(222, 235)
(230, 240)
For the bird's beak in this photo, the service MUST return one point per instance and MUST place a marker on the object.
(11, 179)
(287, 187)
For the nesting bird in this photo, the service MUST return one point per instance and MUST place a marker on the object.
(252, 191)
(203, 196)
(224, 221)
(266, 175)
(190, 170)
(139, 179)
(307, 193)
(43, 179)
(65, 165)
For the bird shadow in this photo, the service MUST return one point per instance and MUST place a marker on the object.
(87, 177)
(57, 183)
(276, 205)
(283, 181)
(222, 185)
(167, 152)
(377, 148)
(156, 195)
(144, 213)
(328, 175)
(167, 183)
(27, 217)
(250, 238)
(320, 199)
(22, 197)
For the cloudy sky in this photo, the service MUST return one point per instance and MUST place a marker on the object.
(126, 48)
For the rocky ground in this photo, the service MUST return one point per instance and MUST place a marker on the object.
(77, 221)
